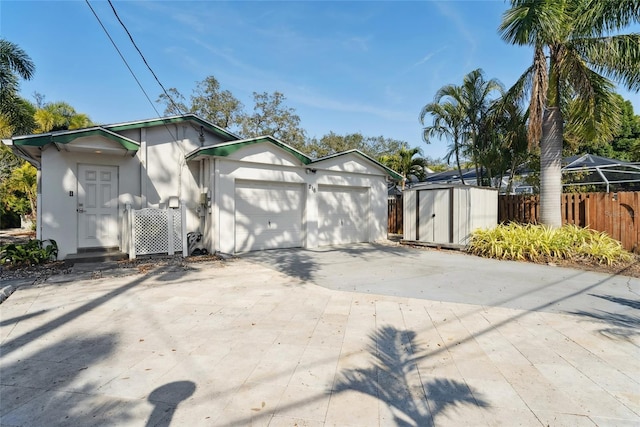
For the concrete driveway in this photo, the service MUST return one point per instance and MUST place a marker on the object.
(455, 277)
(244, 343)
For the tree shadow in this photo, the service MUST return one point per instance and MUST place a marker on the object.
(623, 326)
(394, 379)
(42, 389)
(23, 317)
(14, 343)
(165, 400)
(622, 301)
(301, 263)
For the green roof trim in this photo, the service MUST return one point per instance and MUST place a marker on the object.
(66, 137)
(389, 171)
(224, 150)
(227, 136)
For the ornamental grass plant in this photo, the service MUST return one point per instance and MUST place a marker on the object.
(538, 243)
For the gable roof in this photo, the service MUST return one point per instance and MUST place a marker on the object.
(31, 145)
(227, 148)
(389, 171)
(223, 133)
(67, 136)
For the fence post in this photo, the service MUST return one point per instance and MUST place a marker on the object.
(132, 235)
(183, 229)
(170, 212)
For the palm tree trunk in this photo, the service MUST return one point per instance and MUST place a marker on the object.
(458, 163)
(551, 168)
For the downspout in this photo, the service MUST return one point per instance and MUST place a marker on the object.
(143, 168)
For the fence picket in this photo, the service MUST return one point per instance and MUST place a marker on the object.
(613, 213)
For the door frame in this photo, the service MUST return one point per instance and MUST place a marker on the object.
(80, 165)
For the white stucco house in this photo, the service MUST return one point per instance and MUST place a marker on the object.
(241, 194)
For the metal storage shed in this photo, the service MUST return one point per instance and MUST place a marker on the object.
(447, 214)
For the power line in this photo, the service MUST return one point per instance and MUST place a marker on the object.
(122, 57)
(128, 67)
(177, 108)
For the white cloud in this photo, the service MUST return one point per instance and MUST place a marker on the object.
(458, 22)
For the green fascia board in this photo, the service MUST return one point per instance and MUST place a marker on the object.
(227, 136)
(224, 150)
(68, 136)
(391, 172)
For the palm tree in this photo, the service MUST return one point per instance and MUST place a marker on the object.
(575, 51)
(507, 133)
(406, 164)
(460, 114)
(475, 96)
(60, 116)
(448, 122)
(14, 64)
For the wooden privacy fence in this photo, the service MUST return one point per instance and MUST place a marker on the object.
(613, 213)
(394, 213)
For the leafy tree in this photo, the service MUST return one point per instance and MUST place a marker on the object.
(19, 189)
(404, 162)
(272, 117)
(15, 113)
(621, 146)
(575, 49)
(219, 107)
(373, 147)
(448, 122)
(475, 97)
(506, 128)
(59, 116)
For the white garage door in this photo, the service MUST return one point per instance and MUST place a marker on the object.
(268, 216)
(342, 215)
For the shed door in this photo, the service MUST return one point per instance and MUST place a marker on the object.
(342, 215)
(97, 206)
(434, 216)
(268, 216)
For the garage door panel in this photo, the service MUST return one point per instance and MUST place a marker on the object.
(342, 215)
(268, 216)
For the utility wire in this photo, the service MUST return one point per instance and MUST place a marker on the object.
(175, 106)
(129, 68)
(122, 57)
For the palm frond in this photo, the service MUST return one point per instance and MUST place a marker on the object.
(16, 60)
(529, 22)
(617, 57)
(595, 17)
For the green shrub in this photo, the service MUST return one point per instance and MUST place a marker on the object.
(542, 244)
(30, 253)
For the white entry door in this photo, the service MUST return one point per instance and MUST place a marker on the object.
(342, 215)
(97, 206)
(268, 215)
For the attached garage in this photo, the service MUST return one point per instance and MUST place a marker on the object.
(268, 215)
(343, 215)
(263, 194)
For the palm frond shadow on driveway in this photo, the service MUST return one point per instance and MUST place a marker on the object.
(394, 379)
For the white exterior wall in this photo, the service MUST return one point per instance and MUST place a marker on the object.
(288, 169)
(158, 171)
(58, 208)
(409, 215)
(473, 208)
(485, 209)
(168, 175)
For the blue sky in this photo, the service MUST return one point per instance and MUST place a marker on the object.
(345, 67)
